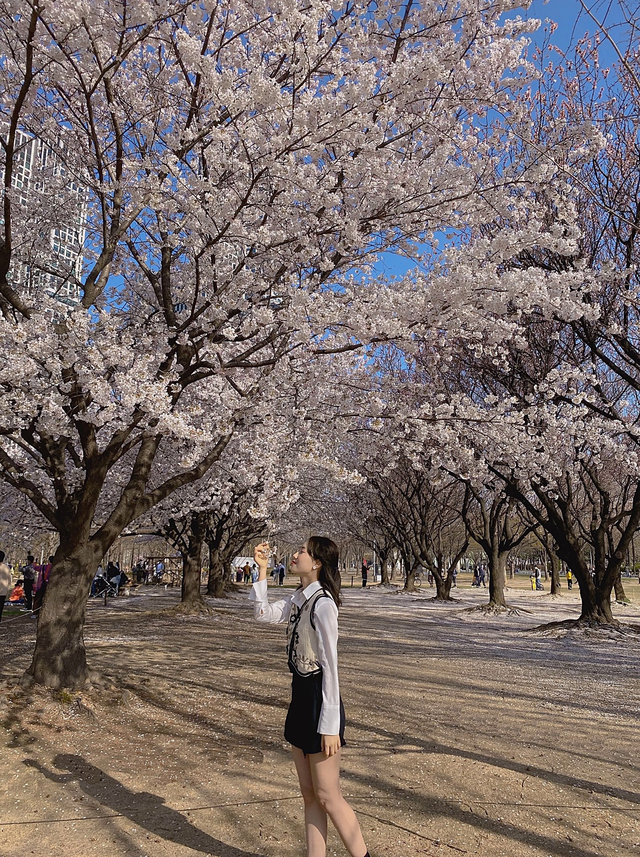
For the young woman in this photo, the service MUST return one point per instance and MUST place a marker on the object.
(315, 720)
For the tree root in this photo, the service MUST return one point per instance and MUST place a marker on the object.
(184, 610)
(497, 610)
(588, 628)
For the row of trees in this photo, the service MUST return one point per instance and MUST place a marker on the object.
(535, 429)
(244, 166)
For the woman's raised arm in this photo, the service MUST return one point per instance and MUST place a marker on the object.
(276, 612)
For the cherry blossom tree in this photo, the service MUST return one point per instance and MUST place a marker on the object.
(243, 165)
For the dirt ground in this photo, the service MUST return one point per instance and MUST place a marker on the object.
(466, 734)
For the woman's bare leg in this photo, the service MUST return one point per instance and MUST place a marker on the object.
(325, 774)
(315, 818)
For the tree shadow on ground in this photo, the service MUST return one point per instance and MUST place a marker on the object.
(427, 745)
(145, 809)
(437, 806)
(555, 777)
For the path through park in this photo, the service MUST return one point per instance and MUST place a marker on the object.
(465, 735)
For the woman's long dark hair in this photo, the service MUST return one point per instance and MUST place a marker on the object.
(326, 552)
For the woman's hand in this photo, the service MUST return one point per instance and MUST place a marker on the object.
(330, 744)
(261, 558)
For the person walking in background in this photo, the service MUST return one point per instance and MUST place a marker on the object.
(569, 579)
(29, 574)
(6, 584)
(281, 575)
(365, 573)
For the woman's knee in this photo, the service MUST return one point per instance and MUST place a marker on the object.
(330, 801)
(308, 794)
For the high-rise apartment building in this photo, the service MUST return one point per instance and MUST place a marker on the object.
(47, 252)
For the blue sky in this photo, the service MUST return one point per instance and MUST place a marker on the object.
(573, 23)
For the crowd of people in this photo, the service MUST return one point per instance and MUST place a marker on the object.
(28, 590)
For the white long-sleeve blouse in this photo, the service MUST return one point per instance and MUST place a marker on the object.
(326, 621)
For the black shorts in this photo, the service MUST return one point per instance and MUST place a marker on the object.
(301, 725)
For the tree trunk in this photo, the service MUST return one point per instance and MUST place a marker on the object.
(621, 596)
(497, 577)
(191, 569)
(443, 586)
(384, 570)
(596, 601)
(597, 609)
(410, 577)
(556, 565)
(59, 658)
(216, 582)
(228, 582)
(555, 573)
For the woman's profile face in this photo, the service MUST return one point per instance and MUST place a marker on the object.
(301, 561)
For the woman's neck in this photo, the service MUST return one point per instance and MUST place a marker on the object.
(308, 579)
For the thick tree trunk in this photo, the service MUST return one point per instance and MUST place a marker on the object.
(216, 582)
(410, 577)
(497, 577)
(443, 586)
(596, 600)
(191, 569)
(59, 658)
(555, 572)
(596, 609)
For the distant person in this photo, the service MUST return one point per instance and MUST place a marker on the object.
(6, 584)
(98, 578)
(29, 575)
(365, 573)
(247, 572)
(476, 578)
(113, 576)
(281, 575)
(44, 572)
(17, 593)
(115, 583)
(569, 579)
(482, 576)
(454, 578)
(538, 579)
